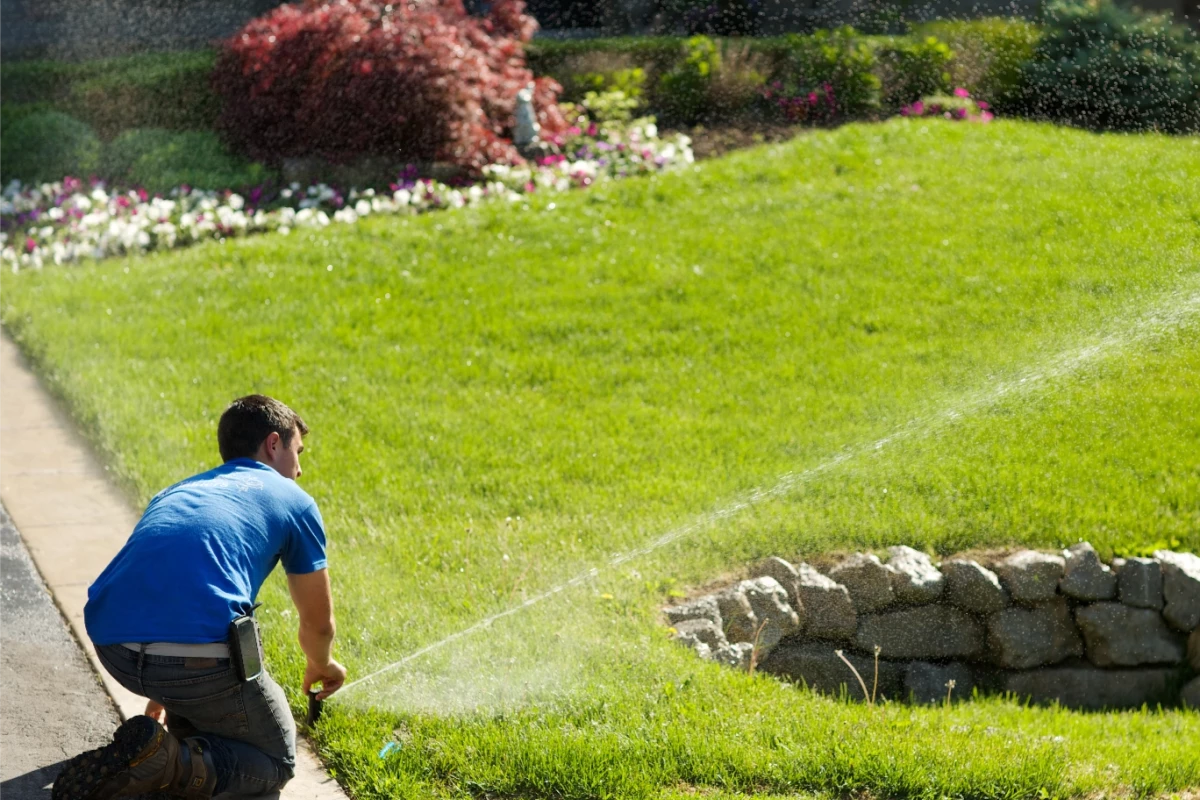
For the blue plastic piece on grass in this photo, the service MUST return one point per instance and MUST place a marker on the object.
(389, 748)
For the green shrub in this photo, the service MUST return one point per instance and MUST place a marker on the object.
(989, 55)
(195, 158)
(911, 69)
(683, 91)
(122, 153)
(12, 113)
(610, 106)
(1106, 67)
(47, 145)
(841, 59)
(630, 82)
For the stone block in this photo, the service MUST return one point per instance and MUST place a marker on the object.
(1118, 635)
(1090, 687)
(1181, 589)
(783, 572)
(915, 580)
(1030, 577)
(691, 642)
(775, 615)
(924, 632)
(973, 588)
(702, 630)
(817, 665)
(828, 610)
(1020, 638)
(1140, 583)
(1085, 577)
(868, 581)
(735, 655)
(700, 608)
(927, 683)
(737, 617)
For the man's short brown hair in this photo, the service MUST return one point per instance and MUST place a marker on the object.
(250, 420)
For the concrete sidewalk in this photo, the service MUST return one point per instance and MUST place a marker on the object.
(73, 522)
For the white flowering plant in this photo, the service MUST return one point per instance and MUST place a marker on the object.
(70, 220)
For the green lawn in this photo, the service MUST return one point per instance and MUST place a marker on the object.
(948, 335)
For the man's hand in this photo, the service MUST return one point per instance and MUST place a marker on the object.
(156, 712)
(331, 677)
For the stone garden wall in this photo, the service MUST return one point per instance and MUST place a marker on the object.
(1042, 626)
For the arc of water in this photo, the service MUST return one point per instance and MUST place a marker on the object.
(1167, 315)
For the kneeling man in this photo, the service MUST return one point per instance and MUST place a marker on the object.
(172, 620)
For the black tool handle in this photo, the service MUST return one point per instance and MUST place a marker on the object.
(314, 707)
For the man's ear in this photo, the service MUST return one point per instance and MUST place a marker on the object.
(271, 442)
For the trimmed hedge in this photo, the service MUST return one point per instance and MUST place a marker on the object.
(173, 90)
(159, 90)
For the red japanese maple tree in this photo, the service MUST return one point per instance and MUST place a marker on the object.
(420, 80)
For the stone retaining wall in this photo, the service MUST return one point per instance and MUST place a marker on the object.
(1042, 626)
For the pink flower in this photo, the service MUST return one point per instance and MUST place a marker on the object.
(30, 245)
(917, 108)
(982, 105)
(961, 92)
(986, 116)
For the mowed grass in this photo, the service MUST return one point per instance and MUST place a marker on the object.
(504, 398)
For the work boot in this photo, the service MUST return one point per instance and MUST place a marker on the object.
(143, 758)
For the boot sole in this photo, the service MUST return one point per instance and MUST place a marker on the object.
(101, 773)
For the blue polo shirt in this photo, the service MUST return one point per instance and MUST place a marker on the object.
(200, 553)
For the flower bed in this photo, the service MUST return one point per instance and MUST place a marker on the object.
(71, 220)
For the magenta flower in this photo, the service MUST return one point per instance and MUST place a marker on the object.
(961, 92)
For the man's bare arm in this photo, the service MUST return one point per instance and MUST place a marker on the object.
(313, 599)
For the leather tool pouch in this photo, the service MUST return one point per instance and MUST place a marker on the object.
(245, 647)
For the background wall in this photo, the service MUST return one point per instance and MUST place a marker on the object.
(77, 30)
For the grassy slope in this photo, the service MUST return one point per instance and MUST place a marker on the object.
(561, 385)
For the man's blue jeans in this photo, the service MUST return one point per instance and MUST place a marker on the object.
(248, 725)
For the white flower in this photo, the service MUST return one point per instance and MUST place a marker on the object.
(345, 215)
(236, 202)
(362, 208)
(402, 196)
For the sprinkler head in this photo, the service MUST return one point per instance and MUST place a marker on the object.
(314, 708)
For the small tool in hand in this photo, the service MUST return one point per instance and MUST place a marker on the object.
(314, 707)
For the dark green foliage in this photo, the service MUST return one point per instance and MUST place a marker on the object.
(683, 92)
(157, 90)
(840, 58)
(910, 70)
(989, 55)
(46, 145)
(120, 155)
(36, 81)
(1106, 67)
(12, 113)
(195, 158)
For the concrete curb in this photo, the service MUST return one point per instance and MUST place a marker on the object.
(74, 521)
